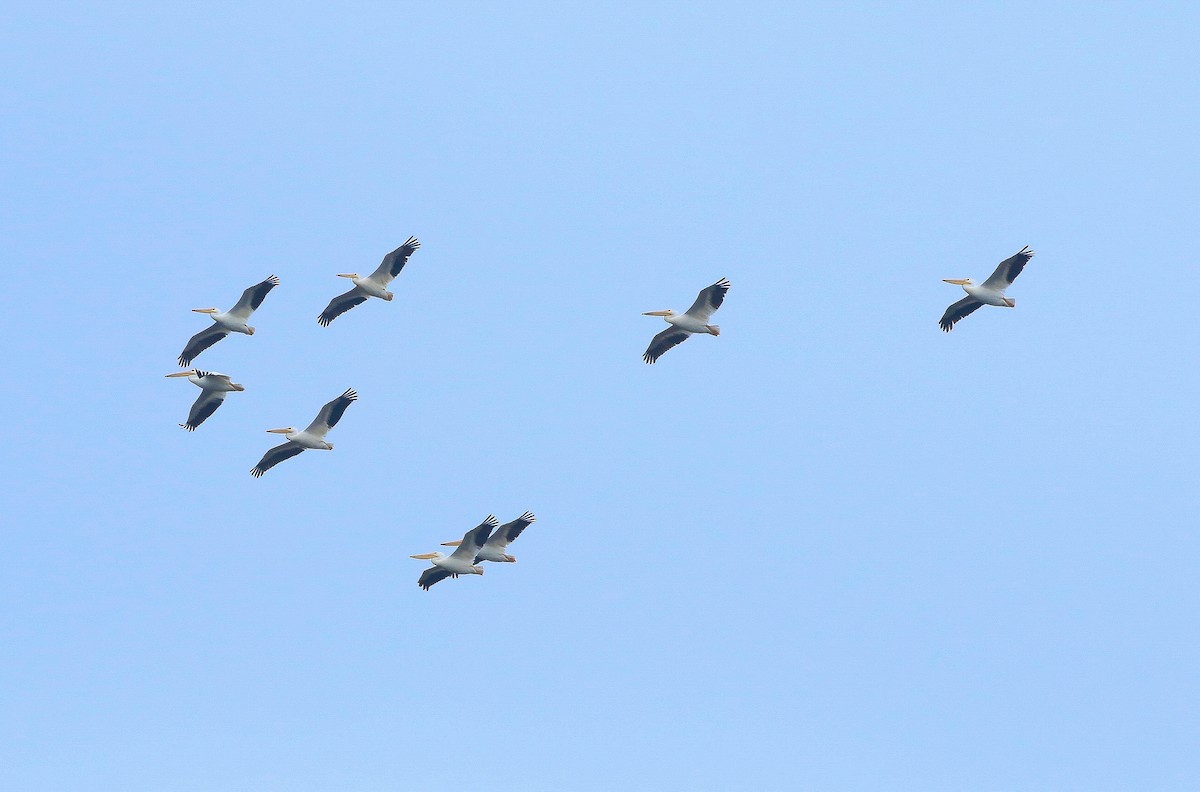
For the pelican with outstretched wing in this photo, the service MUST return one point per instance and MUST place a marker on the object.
(493, 549)
(462, 560)
(374, 285)
(213, 387)
(990, 292)
(231, 321)
(311, 438)
(694, 320)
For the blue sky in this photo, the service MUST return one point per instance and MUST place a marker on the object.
(833, 548)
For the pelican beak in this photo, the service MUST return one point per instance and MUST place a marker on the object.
(237, 387)
(278, 431)
(667, 312)
(347, 275)
(510, 559)
(955, 281)
(205, 310)
(424, 556)
(187, 373)
(455, 543)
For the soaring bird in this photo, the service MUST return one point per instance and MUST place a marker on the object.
(990, 292)
(695, 320)
(213, 387)
(313, 437)
(462, 560)
(374, 285)
(493, 549)
(231, 321)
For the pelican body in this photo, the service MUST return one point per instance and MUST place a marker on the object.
(692, 321)
(213, 387)
(374, 285)
(462, 561)
(312, 438)
(225, 322)
(990, 292)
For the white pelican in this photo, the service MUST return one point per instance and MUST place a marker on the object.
(374, 285)
(231, 321)
(462, 560)
(493, 549)
(990, 292)
(213, 387)
(312, 437)
(695, 320)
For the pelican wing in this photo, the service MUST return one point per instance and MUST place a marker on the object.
(393, 262)
(474, 539)
(206, 404)
(667, 339)
(964, 307)
(252, 298)
(331, 413)
(511, 530)
(435, 574)
(275, 456)
(200, 342)
(709, 300)
(340, 304)
(1008, 270)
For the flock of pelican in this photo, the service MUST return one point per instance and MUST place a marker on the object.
(213, 386)
(489, 540)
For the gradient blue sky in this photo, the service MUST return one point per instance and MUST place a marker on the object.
(832, 549)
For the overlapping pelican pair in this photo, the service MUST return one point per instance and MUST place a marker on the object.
(484, 542)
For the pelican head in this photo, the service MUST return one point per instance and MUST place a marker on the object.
(238, 386)
(427, 556)
(510, 559)
(664, 313)
(249, 330)
(387, 295)
(959, 281)
(187, 373)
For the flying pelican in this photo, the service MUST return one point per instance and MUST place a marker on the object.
(232, 321)
(695, 320)
(990, 292)
(213, 387)
(461, 561)
(374, 285)
(312, 437)
(493, 549)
